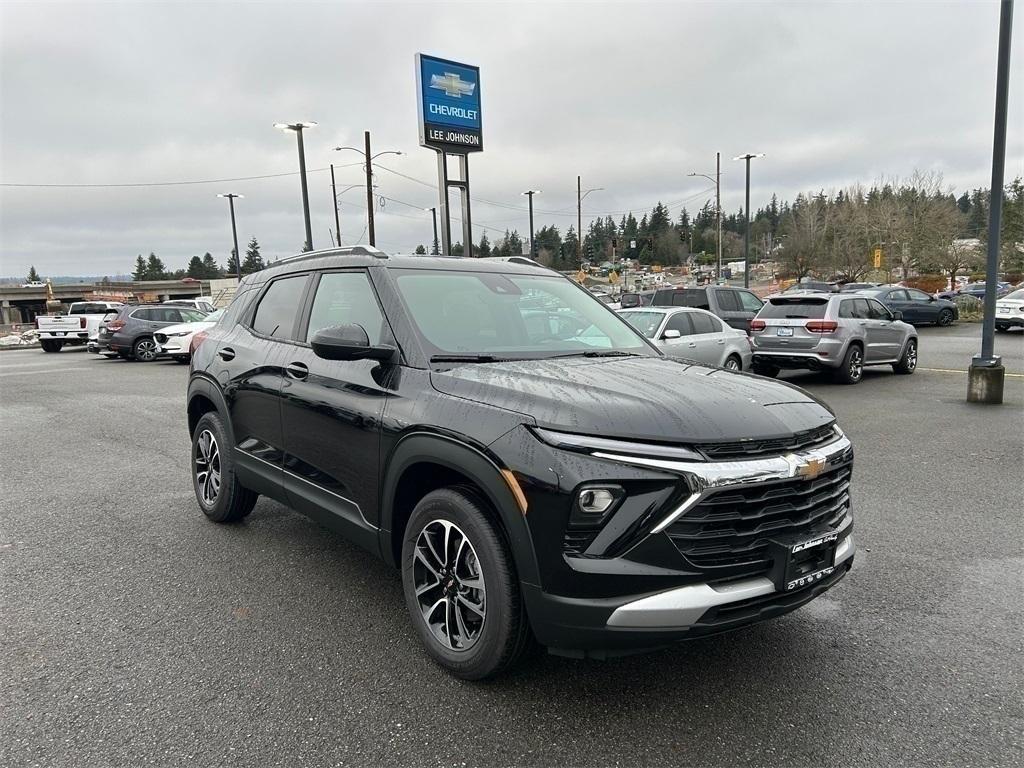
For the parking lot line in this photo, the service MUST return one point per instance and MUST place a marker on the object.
(47, 370)
(955, 370)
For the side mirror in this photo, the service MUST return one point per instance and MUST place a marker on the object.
(347, 342)
(932, 298)
(671, 334)
(897, 315)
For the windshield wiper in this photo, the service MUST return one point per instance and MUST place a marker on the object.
(468, 359)
(597, 353)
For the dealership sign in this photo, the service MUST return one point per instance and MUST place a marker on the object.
(449, 105)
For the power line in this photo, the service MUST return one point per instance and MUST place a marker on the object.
(173, 183)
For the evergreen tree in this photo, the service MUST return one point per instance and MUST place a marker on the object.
(570, 246)
(155, 269)
(210, 269)
(33, 276)
(457, 249)
(420, 250)
(233, 265)
(195, 268)
(484, 249)
(140, 268)
(253, 262)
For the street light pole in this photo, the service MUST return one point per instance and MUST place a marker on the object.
(337, 221)
(298, 129)
(746, 220)
(986, 375)
(368, 167)
(717, 181)
(433, 248)
(234, 232)
(580, 197)
(529, 194)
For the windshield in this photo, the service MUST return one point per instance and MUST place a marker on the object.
(795, 309)
(645, 322)
(487, 314)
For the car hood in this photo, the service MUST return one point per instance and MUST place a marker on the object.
(639, 398)
(198, 325)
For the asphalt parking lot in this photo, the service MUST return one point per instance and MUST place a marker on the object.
(134, 632)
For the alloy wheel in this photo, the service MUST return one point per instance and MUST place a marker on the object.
(207, 467)
(911, 355)
(732, 364)
(856, 365)
(145, 350)
(449, 585)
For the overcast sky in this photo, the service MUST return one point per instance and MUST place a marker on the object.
(631, 96)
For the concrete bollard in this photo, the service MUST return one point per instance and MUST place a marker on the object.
(985, 384)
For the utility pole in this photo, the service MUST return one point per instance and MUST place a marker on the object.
(234, 232)
(579, 224)
(298, 128)
(334, 196)
(529, 194)
(718, 211)
(369, 188)
(433, 248)
(746, 220)
(986, 375)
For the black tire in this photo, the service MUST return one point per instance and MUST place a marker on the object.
(852, 369)
(908, 361)
(181, 358)
(945, 318)
(145, 350)
(51, 345)
(503, 632)
(769, 371)
(229, 500)
(1002, 328)
(733, 363)
(124, 355)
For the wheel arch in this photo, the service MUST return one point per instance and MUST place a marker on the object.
(204, 396)
(422, 462)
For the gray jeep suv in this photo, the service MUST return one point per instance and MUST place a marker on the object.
(838, 333)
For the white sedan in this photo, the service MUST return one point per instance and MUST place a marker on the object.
(1010, 311)
(175, 340)
(692, 334)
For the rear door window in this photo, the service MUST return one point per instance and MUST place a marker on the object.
(804, 308)
(704, 323)
(278, 309)
(728, 301)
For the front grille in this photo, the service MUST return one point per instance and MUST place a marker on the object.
(576, 541)
(745, 449)
(727, 534)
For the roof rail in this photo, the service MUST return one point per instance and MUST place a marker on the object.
(345, 250)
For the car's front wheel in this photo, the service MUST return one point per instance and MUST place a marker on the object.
(945, 317)
(221, 497)
(461, 587)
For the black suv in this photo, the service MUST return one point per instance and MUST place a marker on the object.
(737, 306)
(531, 464)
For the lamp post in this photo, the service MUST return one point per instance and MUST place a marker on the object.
(717, 181)
(433, 248)
(529, 194)
(579, 218)
(368, 167)
(336, 200)
(298, 128)
(234, 231)
(746, 220)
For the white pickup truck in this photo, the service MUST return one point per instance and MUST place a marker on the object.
(78, 326)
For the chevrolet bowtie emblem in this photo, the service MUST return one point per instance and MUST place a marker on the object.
(452, 85)
(810, 469)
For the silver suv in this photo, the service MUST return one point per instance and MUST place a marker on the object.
(839, 333)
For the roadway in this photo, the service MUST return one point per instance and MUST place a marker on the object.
(133, 631)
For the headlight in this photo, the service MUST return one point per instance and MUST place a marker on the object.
(179, 333)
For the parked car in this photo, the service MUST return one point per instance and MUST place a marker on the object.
(630, 299)
(737, 306)
(1010, 311)
(837, 333)
(854, 287)
(692, 334)
(917, 307)
(807, 284)
(77, 327)
(566, 489)
(130, 334)
(203, 303)
(175, 341)
(977, 290)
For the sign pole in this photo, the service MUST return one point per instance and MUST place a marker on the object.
(467, 221)
(442, 186)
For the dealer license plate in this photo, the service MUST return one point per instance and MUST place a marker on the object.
(784, 332)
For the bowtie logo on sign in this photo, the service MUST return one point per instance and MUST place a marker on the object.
(452, 85)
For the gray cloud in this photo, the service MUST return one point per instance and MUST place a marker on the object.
(631, 96)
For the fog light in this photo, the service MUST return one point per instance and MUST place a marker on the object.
(596, 501)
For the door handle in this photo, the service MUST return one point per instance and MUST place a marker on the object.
(297, 370)
(863, 322)
(692, 344)
(226, 354)
(721, 341)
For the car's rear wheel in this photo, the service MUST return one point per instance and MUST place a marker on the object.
(1002, 327)
(221, 497)
(945, 317)
(461, 587)
(145, 349)
(851, 370)
(733, 363)
(908, 362)
(765, 370)
(51, 345)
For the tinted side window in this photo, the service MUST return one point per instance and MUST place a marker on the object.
(343, 298)
(749, 301)
(143, 314)
(847, 309)
(921, 296)
(877, 311)
(898, 296)
(703, 323)
(680, 321)
(861, 310)
(728, 301)
(276, 312)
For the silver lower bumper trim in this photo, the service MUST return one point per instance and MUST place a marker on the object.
(682, 607)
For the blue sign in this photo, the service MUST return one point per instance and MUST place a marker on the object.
(449, 104)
